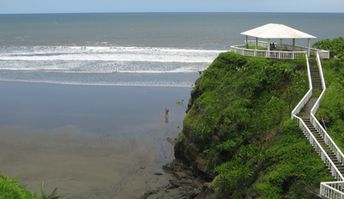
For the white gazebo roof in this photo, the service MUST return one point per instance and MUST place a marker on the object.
(277, 31)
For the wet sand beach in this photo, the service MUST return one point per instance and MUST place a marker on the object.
(89, 142)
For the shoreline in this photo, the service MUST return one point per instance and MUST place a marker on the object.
(94, 85)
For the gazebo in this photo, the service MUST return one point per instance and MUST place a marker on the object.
(267, 48)
(278, 31)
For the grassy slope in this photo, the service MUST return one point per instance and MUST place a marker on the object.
(9, 189)
(331, 111)
(237, 130)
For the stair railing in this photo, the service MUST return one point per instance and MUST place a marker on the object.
(307, 96)
(320, 150)
(309, 135)
(327, 138)
(332, 190)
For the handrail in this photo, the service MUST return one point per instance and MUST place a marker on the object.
(327, 189)
(302, 103)
(318, 148)
(331, 189)
(321, 72)
(307, 96)
(327, 138)
(313, 141)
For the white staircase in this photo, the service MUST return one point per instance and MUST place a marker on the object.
(316, 134)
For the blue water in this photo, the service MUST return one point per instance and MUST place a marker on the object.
(139, 49)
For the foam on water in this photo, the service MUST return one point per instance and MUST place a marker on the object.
(85, 64)
(117, 54)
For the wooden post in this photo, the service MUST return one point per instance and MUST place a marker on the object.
(246, 41)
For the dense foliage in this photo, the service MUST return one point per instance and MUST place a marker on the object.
(336, 46)
(331, 111)
(238, 130)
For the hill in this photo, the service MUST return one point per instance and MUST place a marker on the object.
(239, 135)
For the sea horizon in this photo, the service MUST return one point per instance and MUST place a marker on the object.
(172, 12)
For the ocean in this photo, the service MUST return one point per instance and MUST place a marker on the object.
(133, 49)
(83, 96)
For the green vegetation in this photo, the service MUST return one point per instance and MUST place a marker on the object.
(238, 131)
(331, 111)
(10, 189)
(336, 46)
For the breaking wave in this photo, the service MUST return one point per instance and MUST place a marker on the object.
(36, 62)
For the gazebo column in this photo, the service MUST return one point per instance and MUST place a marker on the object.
(246, 40)
(294, 44)
(309, 47)
(256, 42)
(268, 52)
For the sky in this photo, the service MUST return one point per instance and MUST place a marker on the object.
(80, 6)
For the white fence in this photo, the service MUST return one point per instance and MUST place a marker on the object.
(328, 140)
(239, 49)
(332, 190)
(286, 51)
(307, 96)
(327, 189)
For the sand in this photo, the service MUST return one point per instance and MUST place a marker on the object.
(80, 166)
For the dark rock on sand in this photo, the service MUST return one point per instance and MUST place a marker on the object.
(185, 183)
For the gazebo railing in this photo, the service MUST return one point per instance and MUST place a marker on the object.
(324, 54)
(275, 54)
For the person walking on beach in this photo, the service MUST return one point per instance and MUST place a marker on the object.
(166, 114)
